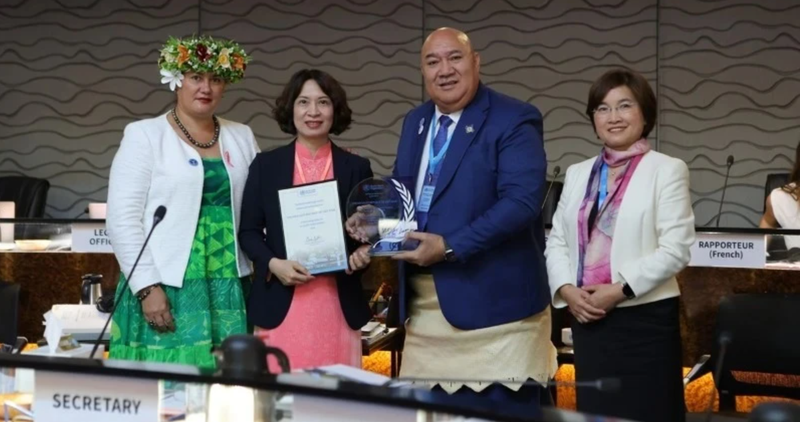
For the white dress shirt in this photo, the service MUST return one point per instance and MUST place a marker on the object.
(433, 127)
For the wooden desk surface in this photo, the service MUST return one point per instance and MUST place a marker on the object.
(49, 278)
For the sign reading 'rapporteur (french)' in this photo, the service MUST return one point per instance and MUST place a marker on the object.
(729, 250)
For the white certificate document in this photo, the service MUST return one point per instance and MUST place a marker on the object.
(312, 227)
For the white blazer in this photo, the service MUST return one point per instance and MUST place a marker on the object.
(652, 237)
(153, 167)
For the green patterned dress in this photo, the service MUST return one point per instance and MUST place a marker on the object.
(211, 304)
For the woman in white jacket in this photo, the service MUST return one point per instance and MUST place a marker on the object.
(188, 291)
(621, 232)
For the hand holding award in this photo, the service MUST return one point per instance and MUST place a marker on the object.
(380, 212)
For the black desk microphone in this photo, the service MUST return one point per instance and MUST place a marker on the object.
(724, 187)
(724, 341)
(157, 217)
(556, 172)
(606, 385)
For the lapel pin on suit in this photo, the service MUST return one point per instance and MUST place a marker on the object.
(421, 126)
(470, 129)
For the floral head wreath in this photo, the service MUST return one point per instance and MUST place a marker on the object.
(202, 54)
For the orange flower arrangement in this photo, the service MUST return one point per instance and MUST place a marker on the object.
(183, 55)
(238, 62)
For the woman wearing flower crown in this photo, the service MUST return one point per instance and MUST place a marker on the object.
(315, 319)
(187, 293)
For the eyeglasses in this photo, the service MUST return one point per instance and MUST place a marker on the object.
(624, 109)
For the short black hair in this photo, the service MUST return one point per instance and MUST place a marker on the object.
(793, 187)
(642, 93)
(284, 105)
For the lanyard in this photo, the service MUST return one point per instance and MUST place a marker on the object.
(302, 174)
(434, 160)
(603, 186)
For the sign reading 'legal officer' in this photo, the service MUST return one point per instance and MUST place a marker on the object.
(91, 238)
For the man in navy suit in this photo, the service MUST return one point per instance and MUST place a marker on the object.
(475, 290)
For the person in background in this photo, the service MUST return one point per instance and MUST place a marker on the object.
(316, 320)
(621, 232)
(188, 292)
(783, 205)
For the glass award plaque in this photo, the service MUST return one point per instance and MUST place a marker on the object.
(380, 211)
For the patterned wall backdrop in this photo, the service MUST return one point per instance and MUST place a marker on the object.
(550, 52)
(730, 86)
(371, 47)
(73, 73)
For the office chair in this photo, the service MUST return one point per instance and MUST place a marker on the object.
(763, 346)
(9, 315)
(28, 193)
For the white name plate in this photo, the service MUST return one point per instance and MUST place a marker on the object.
(729, 250)
(93, 398)
(90, 237)
(321, 409)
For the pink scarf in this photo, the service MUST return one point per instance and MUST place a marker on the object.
(594, 252)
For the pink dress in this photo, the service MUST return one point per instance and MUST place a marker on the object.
(314, 332)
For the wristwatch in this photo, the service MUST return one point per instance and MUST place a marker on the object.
(627, 291)
(449, 254)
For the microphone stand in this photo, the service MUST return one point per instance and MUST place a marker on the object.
(607, 385)
(156, 219)
(724, 340)
(556, 172)
(724, 188)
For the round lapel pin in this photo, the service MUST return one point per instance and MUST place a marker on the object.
(193, 162)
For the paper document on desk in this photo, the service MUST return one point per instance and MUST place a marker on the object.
(376, 334)
(80, 316)
(371, 328)
(350, 373)
(84, 322)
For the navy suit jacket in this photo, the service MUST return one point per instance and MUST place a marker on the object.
(269, 301)
(487, 206)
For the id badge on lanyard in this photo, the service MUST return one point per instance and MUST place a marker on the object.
(603, 186)
(434, 161)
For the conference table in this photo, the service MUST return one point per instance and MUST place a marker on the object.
(724, 261)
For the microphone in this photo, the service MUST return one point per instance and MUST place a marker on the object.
(724, 187)
(724, 341)
(556, 172)
(606, 385)
(85, 211)
(157, 217)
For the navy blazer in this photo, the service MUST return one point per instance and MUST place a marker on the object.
(487, 206)
(270, 172)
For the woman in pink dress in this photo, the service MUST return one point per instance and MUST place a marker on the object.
(315, 319)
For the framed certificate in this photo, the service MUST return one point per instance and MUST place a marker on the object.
(312, 227)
